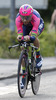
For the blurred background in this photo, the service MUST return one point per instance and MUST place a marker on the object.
(8, 31)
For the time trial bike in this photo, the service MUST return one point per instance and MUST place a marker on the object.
(29, 66)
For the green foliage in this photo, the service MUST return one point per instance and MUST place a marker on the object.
(4, 19)
(47, 43)
(6, 39)
(5, 36)
(1, 52)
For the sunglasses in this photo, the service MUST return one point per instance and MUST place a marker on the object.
(25, 17)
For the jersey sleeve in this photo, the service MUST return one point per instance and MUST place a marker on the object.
(35, 22)
(19, 25)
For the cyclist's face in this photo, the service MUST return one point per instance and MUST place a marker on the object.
(25, 21)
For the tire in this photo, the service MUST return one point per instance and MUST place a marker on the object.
(23, 58)
(36, 82)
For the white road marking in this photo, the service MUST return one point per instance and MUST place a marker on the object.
(11, 89)
(8, 89)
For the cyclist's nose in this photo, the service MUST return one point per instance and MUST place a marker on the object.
(25, 20)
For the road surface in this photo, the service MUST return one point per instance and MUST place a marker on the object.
(47, 90)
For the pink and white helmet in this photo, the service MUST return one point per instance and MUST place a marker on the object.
(26, 11)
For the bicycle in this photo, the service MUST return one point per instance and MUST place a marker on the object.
(30, 73)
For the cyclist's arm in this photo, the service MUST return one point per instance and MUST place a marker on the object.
(34, 31)
(19, 26)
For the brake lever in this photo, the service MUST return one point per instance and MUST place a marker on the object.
(22, 39)
(9, 48)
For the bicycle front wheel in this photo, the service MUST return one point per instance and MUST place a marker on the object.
(22, 74)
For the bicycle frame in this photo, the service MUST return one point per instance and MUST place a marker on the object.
(25, 45)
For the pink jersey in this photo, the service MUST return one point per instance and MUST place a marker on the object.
(35, 23)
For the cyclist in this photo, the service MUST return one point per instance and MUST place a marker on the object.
(30, 25)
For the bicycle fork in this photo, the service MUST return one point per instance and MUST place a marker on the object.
(31, 68)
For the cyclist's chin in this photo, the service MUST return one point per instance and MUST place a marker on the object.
(25, 23)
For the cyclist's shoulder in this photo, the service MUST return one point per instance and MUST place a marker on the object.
(17, 15)
(36, 13)
(35, 18)
(18, 20)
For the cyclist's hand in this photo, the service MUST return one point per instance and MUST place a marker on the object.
(19, 37)
(27, 38)
(30, 33)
